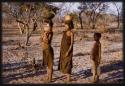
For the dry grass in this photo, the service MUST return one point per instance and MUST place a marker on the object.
(17, 59)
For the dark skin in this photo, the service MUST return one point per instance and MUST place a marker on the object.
(70, 34)
(46, 37)
(96, 57)
(97, 39)
(47, 33)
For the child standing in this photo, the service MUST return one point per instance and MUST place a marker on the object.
(96, 57)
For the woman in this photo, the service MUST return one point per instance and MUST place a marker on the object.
(66, 51)
(48, 54)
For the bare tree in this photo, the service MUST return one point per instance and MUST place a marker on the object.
(118, 13)
(64, 8)
(92, 11)
(27, 14)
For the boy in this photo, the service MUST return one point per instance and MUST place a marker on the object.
(96, 57)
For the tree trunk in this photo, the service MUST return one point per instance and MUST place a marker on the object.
(27, 35)
(93, 23)
(20, 28)
(93, 26)
(118, 21)
(80, 19)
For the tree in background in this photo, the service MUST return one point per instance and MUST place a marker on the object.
(64, 9)
(92, 11)
(118, 14)
(28, 14)
(75, 19)
(82, 8)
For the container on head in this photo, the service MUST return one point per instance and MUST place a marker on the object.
(46, 28)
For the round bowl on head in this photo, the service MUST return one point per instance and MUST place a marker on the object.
(46, 28)
(68, 18)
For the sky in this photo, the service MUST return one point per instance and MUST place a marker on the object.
(73, 7)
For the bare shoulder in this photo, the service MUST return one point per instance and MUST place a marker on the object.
(95, 44)
(72, 33)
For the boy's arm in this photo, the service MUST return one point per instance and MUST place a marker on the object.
(99, 60)
(92, 52)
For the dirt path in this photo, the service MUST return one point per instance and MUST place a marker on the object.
(17, 61)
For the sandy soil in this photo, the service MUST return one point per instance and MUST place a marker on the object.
(17, 61)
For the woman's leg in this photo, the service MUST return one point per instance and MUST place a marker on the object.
(50, 72)
(68, 77)
(43, 61)
(46, 78)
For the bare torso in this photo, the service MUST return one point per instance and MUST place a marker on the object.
(96, 51)
(46, 39)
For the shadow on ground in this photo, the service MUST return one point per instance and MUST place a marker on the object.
(28, 71)
(116, 65)
(27, 68)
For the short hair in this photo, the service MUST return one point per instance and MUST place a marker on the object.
(97, 34)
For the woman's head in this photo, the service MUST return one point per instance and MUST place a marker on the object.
(49, 23)
(69, 22)
(69, 26)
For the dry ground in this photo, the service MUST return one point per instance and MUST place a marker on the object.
(17, 61)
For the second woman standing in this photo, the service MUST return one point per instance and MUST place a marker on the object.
(66, 51)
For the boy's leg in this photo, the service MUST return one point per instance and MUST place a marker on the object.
(94, 72)
(98, 73)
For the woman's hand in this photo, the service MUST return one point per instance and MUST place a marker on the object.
(66, 54)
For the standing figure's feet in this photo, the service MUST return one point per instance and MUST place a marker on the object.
(46, 80)
(68, 80)
(95, 79)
